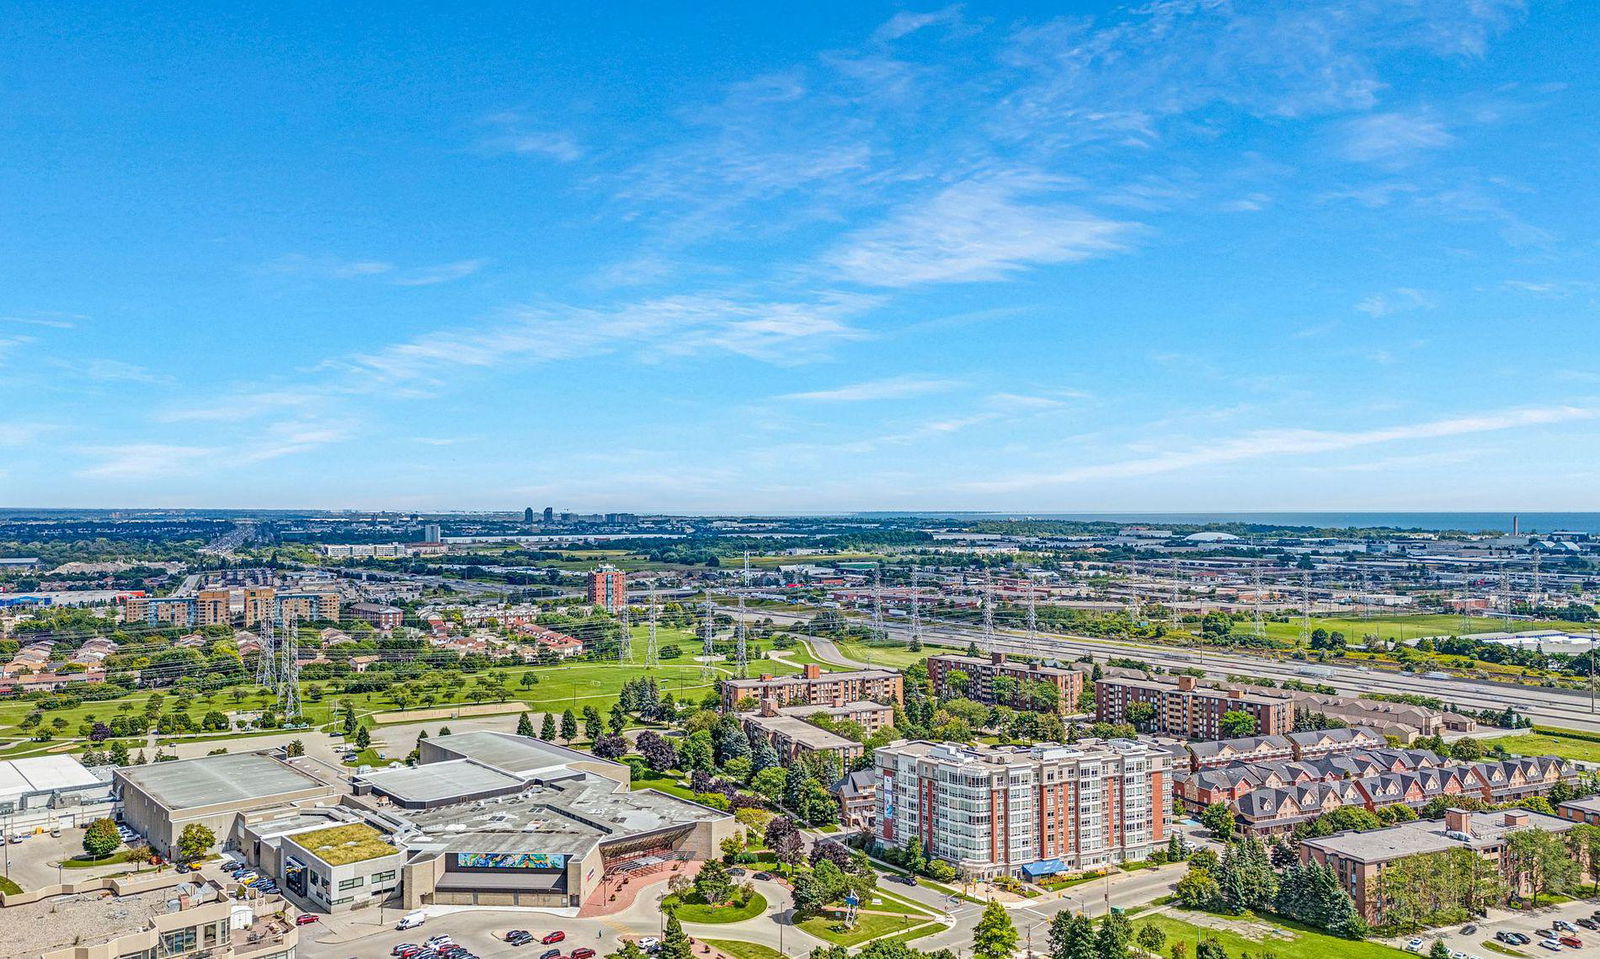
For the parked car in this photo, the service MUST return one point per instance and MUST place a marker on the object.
(904, 880)
(556, 936)
(649, 943)
(1588, 923)
(1571, 941)
(1564, 925)
(583, 952)
(763, 875)
(519, 937)
(550, 954)
(434, 942)
(1519, 939)
(405, 949)
(737, 871)
(1415, 945)
(1469, 929)
(1550, 944)
(306, 918)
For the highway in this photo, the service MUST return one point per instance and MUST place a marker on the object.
(1565, 708)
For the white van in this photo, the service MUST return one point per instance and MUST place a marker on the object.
(412, 920)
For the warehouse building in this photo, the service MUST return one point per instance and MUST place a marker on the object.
(40, 793)
(158, 800)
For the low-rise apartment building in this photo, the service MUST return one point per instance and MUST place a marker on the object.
(998, 680)
(1039, 810)
(1183, 707)
(813, 687)
(794, 738)
(1359, 859)
(1400, 720)
(379, 615)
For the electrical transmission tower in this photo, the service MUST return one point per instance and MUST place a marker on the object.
(916, 608)
(267, 655)
(711, 632)
(625, 638)
(650, 655)
(743, 653)
(1172, 609)
(1538, 580)
(1257, 628)
(1305, 610)
(988, 611)
(289, 676)
(1505, 595)
(1033, 616)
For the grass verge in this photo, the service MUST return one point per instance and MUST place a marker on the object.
(740, 949)
(868, 926)
(1283, 941)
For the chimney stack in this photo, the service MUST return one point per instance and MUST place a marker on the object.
(1186, 683)
(997, 658)
(1455, 820)
(813, 671)
(1516, 817)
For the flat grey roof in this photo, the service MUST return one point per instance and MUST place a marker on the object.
(800, 731)
(1428, 835)
(441, 782)
(211, 780)
(520, 755)
(41, 774)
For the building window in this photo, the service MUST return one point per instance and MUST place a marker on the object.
(378, 877)
(350, 883)
(178, 941)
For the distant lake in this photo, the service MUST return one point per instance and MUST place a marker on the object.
(1470, 522)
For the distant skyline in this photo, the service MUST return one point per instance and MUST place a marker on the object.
(1182, 256)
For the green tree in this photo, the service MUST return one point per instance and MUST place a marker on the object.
(1198, 889)
(1236, 723)
(195, 841)
(713, 883)
(1071, 936)
(525, 726)
(547, 729)
(294, 748)
(569, 726)
(1112, 939)
(363, 738)
(1246, 877)
(1150, 938)
(1439, 950)
(1218, 818)
(675, 944)
(995, 937)
(101, 838)
(593, 725)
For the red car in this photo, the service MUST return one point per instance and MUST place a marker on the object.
(556, 936)
(583, 952)
(1571, 942)
(306, 918)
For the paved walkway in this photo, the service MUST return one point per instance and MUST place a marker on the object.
(615, 895)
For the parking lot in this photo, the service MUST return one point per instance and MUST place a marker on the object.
(1475, 944)
(32, 862)
(480, 931)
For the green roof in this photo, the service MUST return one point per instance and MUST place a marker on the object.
(341, 845)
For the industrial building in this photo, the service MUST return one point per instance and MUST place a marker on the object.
(158, 800)
(41, 793)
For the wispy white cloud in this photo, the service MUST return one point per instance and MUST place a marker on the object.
(443, 273)
(516, 133)
(1394, 301)
(891, 388)
(52, 319)
(20, 434)
(142, 461)
(1262, 444)
(1392, 139)
(974, 231)
(907, 22)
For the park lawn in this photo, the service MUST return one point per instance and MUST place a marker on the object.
(897, 657)
(8, 887)
(693, 912)
(868, 926)
(367, 757)
(739, 949)
(891, 903)
(1297, 942)
(917, 932)
(84, 862)
(1539, 744)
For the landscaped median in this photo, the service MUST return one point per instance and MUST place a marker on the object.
(868, 925)
(699, 912)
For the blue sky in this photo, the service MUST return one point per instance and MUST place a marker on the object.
(1167, 255)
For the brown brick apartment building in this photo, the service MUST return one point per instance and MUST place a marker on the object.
(981, 675)
(1185, 708)
(813, 687)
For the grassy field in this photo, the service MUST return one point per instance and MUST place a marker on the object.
(559, 688)
(1284, 942)
(868, 926)
(739, 949)
(692, 912)
(1540, 744)
(891, 902)
(1405, 627)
